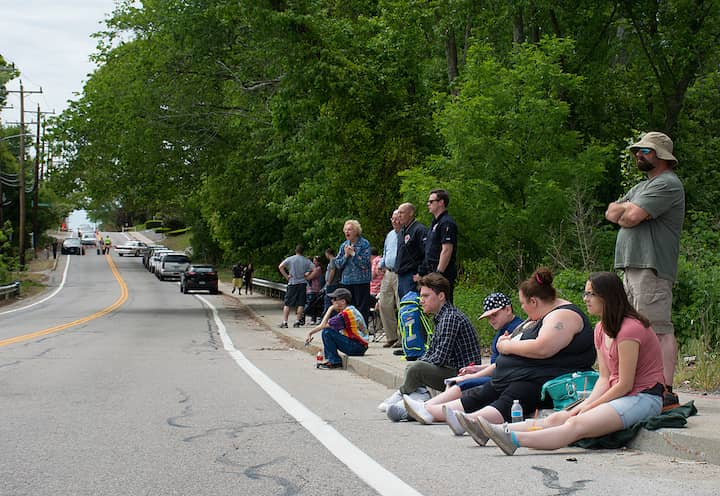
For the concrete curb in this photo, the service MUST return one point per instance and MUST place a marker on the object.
(699, 441)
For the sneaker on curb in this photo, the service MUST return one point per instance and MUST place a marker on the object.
(670, 401)
(283, 325)
(473, 428)
(329, 365)
(500, 435)
(393, 398)
(396, 412)
(416, 409)
(452, 421)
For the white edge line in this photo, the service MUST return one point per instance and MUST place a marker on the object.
(370, 471)
(57, 290)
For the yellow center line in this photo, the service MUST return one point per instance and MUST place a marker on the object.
(122, 299)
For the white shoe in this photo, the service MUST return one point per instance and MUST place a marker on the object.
(416, 409)
(391, 400)
(452, 421)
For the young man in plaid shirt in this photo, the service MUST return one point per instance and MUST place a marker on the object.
(454, 345)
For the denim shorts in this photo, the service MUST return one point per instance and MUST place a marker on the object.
(633, 409)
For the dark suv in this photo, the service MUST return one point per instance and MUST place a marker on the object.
(198, 276)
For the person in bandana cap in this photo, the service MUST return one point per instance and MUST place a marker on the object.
(650, 217)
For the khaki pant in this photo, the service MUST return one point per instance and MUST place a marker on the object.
(651, 296)
(388, 298)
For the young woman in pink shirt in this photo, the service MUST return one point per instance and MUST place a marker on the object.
(628, 391)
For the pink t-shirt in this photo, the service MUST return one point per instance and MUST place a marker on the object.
(377, 275)
(649, 370)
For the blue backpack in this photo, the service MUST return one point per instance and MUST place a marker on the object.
(415, 327)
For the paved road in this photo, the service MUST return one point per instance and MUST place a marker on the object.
(166, 396)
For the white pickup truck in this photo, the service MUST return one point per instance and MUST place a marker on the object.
(131, 248)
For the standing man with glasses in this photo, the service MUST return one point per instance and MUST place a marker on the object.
(441, 240)
(388, 301)
(650, 217)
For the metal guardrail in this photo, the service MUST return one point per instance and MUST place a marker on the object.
(10, 290)
(270, 288)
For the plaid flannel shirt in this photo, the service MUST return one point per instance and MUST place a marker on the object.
(454, 342)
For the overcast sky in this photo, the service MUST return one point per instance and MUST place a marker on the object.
(49, 42)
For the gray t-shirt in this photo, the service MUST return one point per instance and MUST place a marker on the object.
(297, 266)
(654, 243)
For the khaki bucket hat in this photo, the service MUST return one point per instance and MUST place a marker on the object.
(661, 143)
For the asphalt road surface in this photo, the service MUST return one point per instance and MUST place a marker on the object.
(121, 385)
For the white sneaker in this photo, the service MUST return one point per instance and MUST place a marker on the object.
(452, 421)
(416, 409)
(391, 400)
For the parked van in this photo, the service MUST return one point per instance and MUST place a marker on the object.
(172, 264)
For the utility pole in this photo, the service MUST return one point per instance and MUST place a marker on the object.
(36, 187)
(21, 175)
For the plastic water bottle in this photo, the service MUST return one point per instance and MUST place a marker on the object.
(516, 412)
(319, 358)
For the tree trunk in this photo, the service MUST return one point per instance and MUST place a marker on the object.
(451, 56)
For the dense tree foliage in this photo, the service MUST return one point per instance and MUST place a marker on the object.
(267, 122)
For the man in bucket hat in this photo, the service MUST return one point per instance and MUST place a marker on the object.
(650, 217)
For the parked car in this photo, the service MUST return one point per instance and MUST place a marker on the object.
(171, 265)
(200, 276)
(149, 253)
(72, 246)
(155, 258)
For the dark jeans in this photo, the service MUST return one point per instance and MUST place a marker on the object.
(405, 284)
(360, 298)
(334, 341)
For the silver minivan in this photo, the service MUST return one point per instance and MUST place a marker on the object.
(171, 264)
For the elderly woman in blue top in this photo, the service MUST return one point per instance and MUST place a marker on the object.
(353, 259)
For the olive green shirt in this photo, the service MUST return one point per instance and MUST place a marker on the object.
(654, 243)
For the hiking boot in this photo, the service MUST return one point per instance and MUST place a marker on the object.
(392, 399)
(500, 435)
(452, 421)
(473, 428)
(398, 352)
(416, 409)
(670, 401)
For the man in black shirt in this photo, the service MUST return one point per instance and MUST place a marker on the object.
(441, 240)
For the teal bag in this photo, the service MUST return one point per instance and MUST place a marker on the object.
(564, 389)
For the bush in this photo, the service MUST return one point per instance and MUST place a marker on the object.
(153, 224)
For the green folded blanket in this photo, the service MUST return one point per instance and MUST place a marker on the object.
(677, 417)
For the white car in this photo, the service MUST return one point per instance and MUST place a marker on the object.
(171, 265)
(155, 258)
(132, 248)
